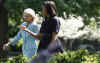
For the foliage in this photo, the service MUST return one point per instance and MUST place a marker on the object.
(79, 56)
(16, 59)
(85, 8)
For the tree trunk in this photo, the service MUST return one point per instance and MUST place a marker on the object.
(3, 25)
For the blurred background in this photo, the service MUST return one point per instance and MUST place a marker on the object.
(79, 32)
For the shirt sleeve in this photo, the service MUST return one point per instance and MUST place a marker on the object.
(36, 29)
(55, 25)
(16, 38)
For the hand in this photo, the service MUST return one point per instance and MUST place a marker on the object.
(22, 27)
(5, 46)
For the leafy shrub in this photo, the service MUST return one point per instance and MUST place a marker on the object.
(16, 59)
(79, 56)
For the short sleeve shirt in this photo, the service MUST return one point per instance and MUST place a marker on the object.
(48, 26)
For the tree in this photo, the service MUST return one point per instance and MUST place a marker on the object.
(3, 25)
(3, 22)
(85, 8)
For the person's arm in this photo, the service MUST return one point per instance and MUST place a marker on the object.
(55, 26)
(12, 42)
(54, 36)
(16, 38)
(38, 36)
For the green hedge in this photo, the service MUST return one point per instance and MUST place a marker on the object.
(79, 56)
(16, 59)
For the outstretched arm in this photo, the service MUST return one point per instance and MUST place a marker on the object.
(38, 36)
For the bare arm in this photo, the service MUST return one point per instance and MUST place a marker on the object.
(54, 36)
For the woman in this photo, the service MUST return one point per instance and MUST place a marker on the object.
(29, 47)
(49, 43)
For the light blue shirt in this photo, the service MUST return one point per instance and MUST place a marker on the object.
(29, 47)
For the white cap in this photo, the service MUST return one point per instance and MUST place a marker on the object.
(30, 11)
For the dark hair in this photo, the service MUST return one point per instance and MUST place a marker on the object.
(50, 7)
(2, 1)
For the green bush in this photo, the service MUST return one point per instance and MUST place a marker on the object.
(79, 56)
(17, 59)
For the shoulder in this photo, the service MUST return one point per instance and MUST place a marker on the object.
(34, 24)
(55, 19)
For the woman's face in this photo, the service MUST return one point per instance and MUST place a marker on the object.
(28, 17)
(44, 11)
